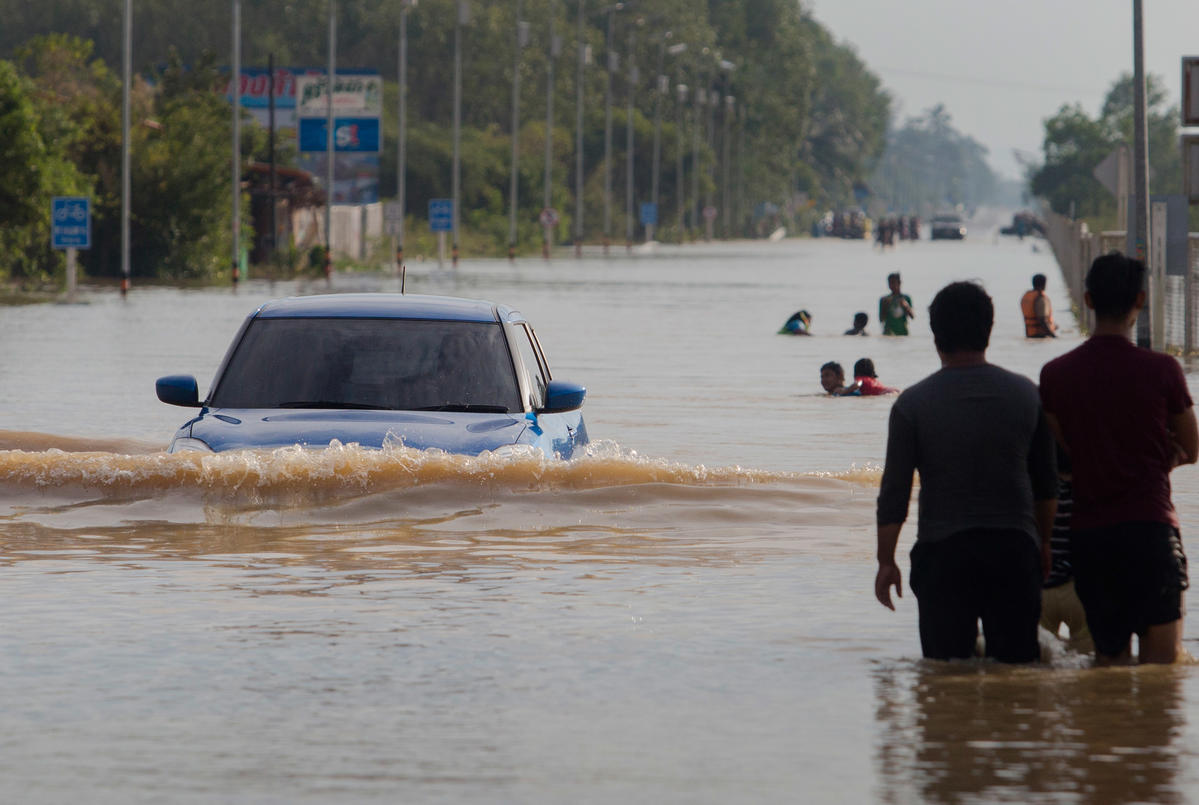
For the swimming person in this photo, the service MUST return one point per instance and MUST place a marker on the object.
(798, 324)
(895, 308)
(860, 320)
(832, 380)
(988, 491)
(866, 380)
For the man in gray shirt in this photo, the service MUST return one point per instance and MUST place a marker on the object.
(988, 490)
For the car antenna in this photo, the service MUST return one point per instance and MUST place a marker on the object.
(403, 275)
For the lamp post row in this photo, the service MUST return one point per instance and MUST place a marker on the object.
(700, 97)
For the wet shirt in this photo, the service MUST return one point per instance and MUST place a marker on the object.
(978, 438)
(872, 386)
(1113, 401)
(892, 314)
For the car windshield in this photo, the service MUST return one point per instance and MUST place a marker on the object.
(393, 364)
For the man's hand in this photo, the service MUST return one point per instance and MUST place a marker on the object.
(888, 576)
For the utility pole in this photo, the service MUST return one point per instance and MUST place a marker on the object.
(662, 87)
(1141, 167)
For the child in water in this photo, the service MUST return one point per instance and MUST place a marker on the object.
(832, 380)
(866, 381)
(859, 324)
(798, 324)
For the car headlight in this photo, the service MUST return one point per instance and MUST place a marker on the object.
(189, 445)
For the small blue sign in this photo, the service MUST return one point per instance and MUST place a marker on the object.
(649, 214)
(441, 214)
(70, 222)
(352, 134)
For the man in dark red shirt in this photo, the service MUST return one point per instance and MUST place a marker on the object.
(1125, 417)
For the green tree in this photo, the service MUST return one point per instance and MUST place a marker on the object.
(35, 169)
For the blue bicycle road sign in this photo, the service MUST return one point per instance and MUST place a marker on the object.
(441, 214)
(70, 222)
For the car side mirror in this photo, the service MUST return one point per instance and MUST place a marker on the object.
(178, 390)
(562, 396)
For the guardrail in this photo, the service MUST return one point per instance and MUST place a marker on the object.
(1075, 247)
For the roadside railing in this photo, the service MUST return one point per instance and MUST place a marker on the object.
(1075, 247)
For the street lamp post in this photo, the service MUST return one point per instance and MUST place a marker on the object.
(725, 190)
(613, 64)
(522, 33)
(330, 138)
(661, 87)
(402, 144)
(680, 178)
(235, 85)
(127, 78)
(579, 136)
(462, 17)
(628, 187)
(696, 124)
(554, 47)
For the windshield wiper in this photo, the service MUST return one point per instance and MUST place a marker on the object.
(332, 404)
(466, 407)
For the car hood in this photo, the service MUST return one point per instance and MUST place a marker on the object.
(462, 433)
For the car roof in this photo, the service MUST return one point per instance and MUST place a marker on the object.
(386, 306)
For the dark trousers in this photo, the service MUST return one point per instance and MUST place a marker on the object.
(988, 574)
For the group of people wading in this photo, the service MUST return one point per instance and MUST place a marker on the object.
(983, 440)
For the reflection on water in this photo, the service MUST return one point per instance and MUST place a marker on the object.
(955, 732)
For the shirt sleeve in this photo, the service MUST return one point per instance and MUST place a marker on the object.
(1042, 461)
(1178, 398)
(895, 491)
(1046, 389)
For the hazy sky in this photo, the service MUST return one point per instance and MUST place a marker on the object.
(1001, 67)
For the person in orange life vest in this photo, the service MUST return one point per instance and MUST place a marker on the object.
(1038, 311)
(866, 381)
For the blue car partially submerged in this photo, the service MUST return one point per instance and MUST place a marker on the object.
(460, 375)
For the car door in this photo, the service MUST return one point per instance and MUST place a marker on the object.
(556, 433)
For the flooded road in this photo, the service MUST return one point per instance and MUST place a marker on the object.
(684, 615)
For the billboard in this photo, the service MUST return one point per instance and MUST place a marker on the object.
(300, 108)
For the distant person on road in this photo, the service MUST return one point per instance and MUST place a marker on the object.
(1038, 311)
(1126, 419)
(866, 380)
(860, 320)
(988, 490)
(895, 308)
(832, 380)
(798, 324)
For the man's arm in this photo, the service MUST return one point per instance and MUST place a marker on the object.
(1045, 512)
(888, 575)
(907, 306)
(895, 491)
(1185, 432)
(1041, 310)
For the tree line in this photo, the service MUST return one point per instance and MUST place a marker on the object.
(806, 116)
(1076, 142)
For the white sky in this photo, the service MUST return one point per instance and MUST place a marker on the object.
(1001, 67)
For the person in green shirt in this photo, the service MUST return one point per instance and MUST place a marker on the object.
(895, 309)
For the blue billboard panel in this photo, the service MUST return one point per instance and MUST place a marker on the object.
(70, 222)
(649, 213)
(352, 134)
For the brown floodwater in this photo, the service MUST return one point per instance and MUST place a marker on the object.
(683, 614)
